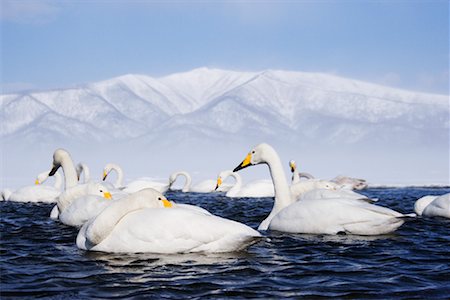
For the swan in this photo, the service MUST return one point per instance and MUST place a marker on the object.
(83, 169)
(342, 182)
(322, 215)
(118, 184)
(5, 194)
(433, 206)
(38, 192)
(256, 189)
(207, 186)
(350, 183)
(78, 202)
(147, 222)
(296, 175)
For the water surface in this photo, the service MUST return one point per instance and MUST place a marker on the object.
(39, 258)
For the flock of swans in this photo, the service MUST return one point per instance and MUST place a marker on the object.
(137, 217)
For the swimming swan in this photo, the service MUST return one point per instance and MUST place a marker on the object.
(433, 206)
(318, 216)
(38, 192)
(296, 175)
(147, 222)
(255, 189)
(78, 202)
(207, 186)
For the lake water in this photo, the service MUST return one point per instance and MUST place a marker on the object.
(39, 258)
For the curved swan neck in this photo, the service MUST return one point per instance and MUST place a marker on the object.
(281, 187)
(119, 171)
(70, 174)
(84, 169)
(187, 183)
(103, 224)
(237, 184)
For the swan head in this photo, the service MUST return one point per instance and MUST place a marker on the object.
(98, 189)
(59, 156)
(258, 155)
(150, 198)
(108, 168)
(292, 165)
(42, 177)
(221, 177)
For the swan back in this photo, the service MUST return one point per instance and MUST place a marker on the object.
(102, 225)
(422, 203)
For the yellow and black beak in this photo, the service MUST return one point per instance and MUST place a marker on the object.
(53, 170)
(104, 175)
(219, 183)
(292, 165)
(107, 195)
(245, 163)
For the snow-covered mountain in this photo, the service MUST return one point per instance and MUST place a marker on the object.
(323, 116)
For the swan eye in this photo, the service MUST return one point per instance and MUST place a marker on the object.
(253, 152)
(101, 191)
(159, 198)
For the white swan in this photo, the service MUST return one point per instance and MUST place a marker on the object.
(38, 192)
(118, 184)
(255, 189)
(78, 202)
(296, 175)
(83, 169)
(350, 183)
(322, 215)
(147, 222)
(207, 186)
(433, 206)
(342, 182)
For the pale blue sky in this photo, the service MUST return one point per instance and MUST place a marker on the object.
(48, 44)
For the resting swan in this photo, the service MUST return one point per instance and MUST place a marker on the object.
(255, 189)
(341, 182)
(147, 222)
(38, 192)
(322, 215)
(78, 202)
(207, 186)
(433, 206)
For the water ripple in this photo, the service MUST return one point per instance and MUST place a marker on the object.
(39, 259)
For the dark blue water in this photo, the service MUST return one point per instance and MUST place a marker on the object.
(39, 259)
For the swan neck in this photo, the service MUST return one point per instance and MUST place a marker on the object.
(119, 179)
(236, 186)
(187, 183)
(104, 223)
(70, 174)
(58, 181)
(281, 187)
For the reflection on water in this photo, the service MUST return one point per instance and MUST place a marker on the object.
(39, 258)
